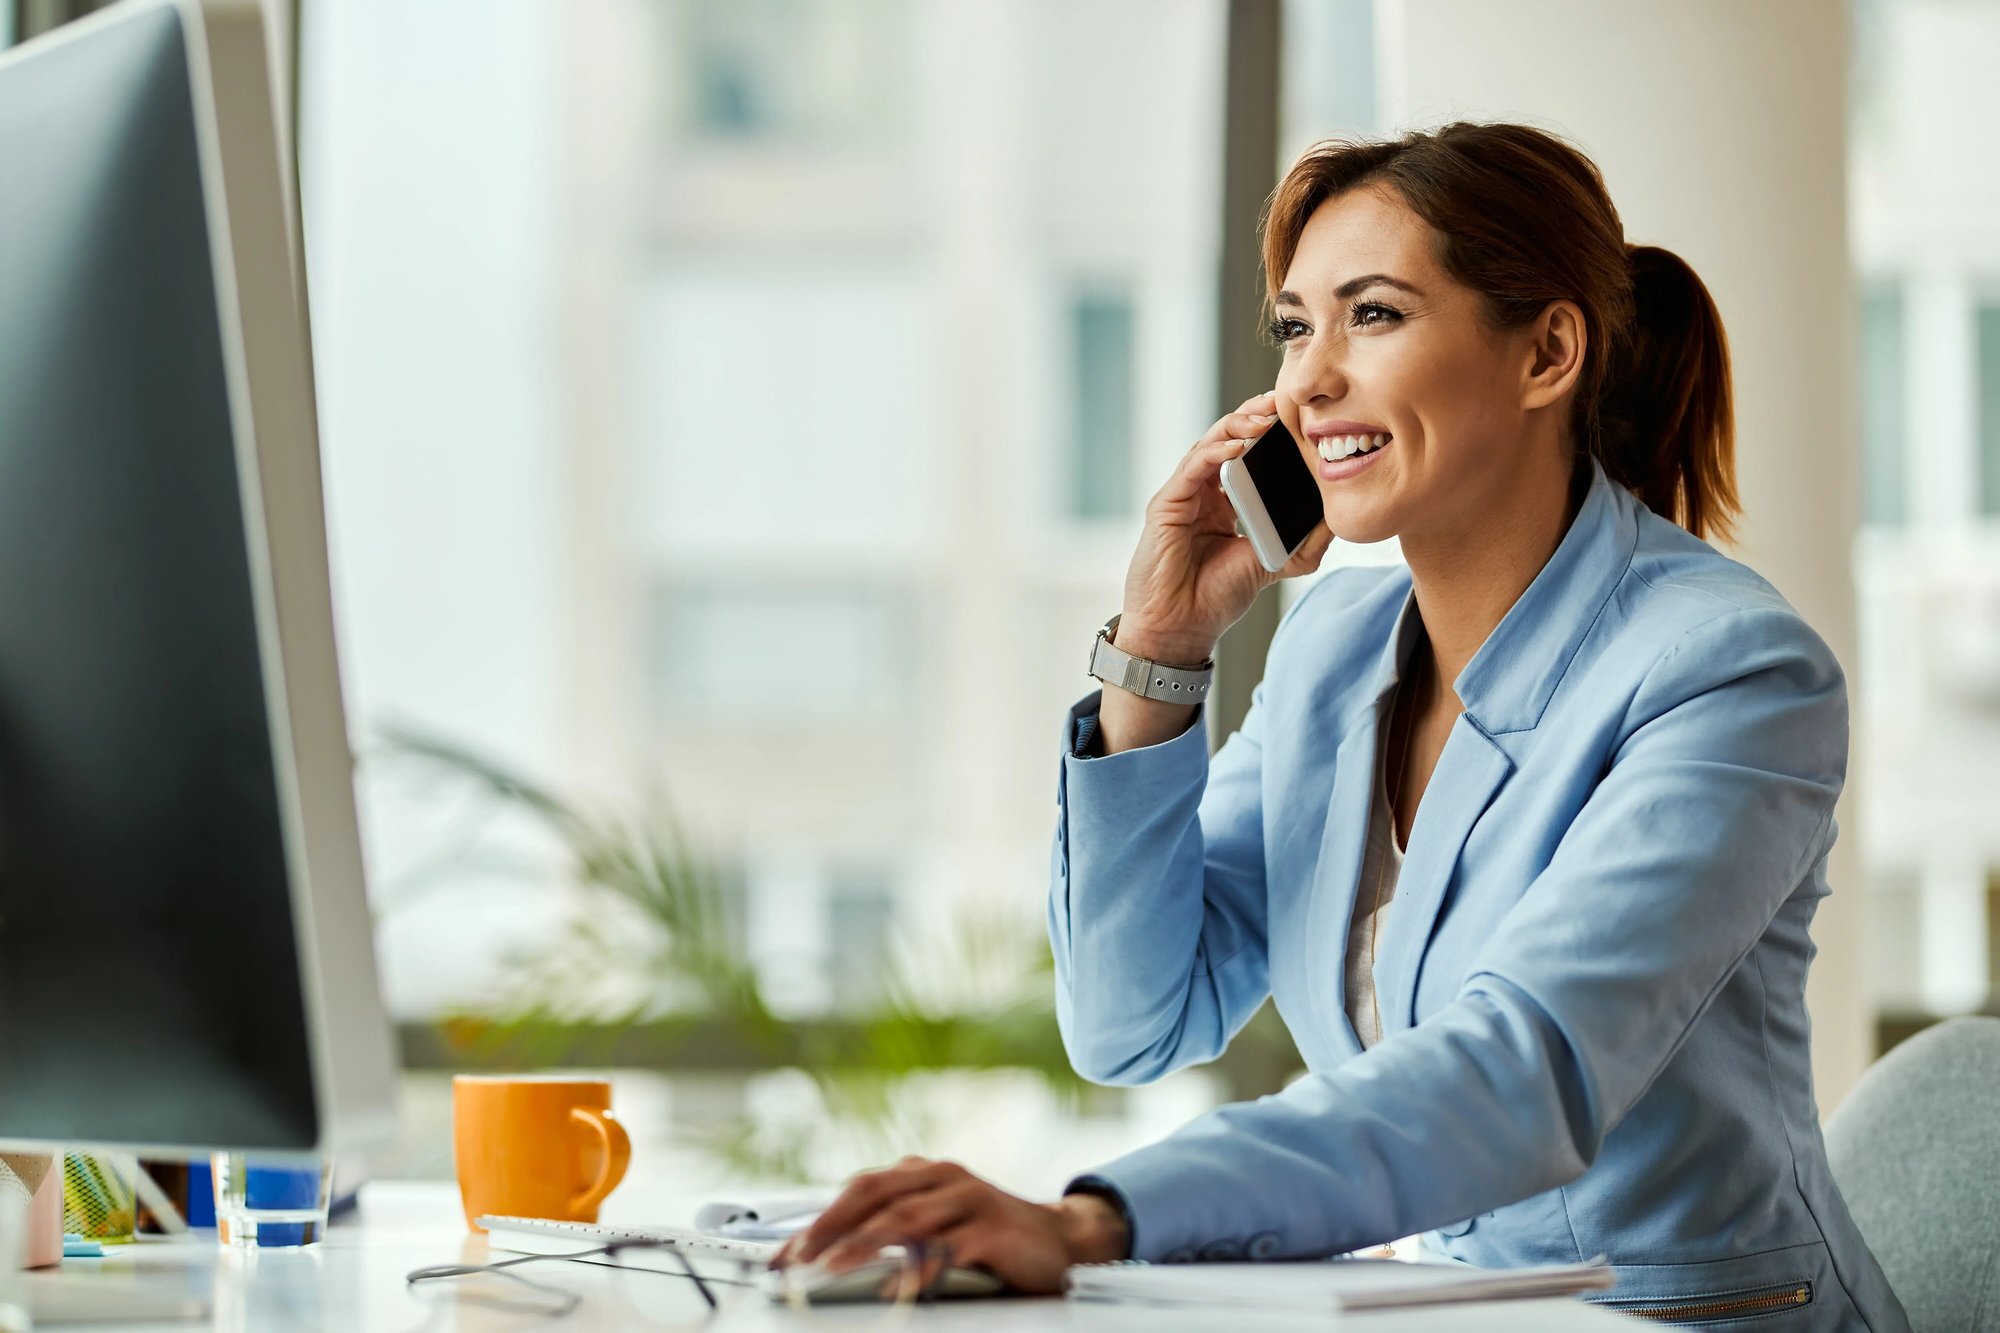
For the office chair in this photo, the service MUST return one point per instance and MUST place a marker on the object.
(1916, 1150)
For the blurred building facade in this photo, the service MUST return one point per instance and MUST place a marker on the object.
(909, 301)
(1926, 232)
(781, 382)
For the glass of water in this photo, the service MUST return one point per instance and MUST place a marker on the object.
(260, 1204)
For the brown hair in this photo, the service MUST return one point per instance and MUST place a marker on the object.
(1525, 220)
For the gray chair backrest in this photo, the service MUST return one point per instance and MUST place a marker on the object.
(1916, 1151)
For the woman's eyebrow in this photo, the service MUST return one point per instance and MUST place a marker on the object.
(1351, 288)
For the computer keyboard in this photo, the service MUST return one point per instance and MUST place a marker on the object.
(536, 1235)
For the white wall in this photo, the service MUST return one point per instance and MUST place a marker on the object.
(1721, 128)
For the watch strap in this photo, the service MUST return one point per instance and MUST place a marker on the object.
(1152, 680)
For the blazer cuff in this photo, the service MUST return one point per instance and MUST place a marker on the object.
(1081, 739)
(1169, 1222)
(1084, 741)
(1099, 1188)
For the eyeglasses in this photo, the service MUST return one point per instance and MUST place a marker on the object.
(565, 1301)
(904, 1286)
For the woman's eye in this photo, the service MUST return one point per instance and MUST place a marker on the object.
(1368, 313)
(1282, 331)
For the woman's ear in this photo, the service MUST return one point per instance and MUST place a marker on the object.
(1557, 344)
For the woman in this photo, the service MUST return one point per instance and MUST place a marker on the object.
(1572, 1022)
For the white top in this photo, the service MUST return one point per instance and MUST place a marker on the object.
(1381, 867)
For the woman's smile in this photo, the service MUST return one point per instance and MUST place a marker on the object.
(1344, 447)
(1341, 467)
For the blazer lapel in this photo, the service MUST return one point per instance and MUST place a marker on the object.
(1505, 688)
(1344, 840)
(1339, 870)
(1469, 775)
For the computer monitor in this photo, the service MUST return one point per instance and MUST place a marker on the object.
(185, 946)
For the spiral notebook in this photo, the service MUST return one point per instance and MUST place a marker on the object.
(1328, 1285)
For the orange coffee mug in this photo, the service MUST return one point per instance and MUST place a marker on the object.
(536, 1147)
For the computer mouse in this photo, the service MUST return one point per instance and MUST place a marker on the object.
(872, 1281)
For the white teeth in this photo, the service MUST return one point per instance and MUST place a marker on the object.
(1333, 448)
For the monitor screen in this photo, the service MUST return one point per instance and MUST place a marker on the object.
(150, 987)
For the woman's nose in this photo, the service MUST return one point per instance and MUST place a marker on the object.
(1315, 371)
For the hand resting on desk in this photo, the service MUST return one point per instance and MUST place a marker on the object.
(977, 1225)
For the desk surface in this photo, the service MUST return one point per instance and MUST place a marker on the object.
(353, 1283)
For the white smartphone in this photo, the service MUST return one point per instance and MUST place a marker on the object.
(1275, 495)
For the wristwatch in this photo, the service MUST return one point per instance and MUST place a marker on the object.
(1151, 680)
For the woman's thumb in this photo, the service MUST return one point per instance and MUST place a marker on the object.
(1306, 559)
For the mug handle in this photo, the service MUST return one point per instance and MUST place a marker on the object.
(617, 1156)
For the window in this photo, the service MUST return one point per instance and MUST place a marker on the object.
(780, 409)
(1101, 352)
(797, 71)
(1884, 405)
(860, 911)
(698, 382)
(1329, 85)
(778, 656)
(1989, 410)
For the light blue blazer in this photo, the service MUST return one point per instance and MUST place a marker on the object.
(1592, 975)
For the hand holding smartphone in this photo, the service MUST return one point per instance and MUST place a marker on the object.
(1274, 495)
(1194, 574)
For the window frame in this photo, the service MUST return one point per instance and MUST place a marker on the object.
(1252, 101)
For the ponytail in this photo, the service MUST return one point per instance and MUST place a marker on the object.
(1526, 220)
(1666, 423)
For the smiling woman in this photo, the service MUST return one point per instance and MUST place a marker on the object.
(1524, 838)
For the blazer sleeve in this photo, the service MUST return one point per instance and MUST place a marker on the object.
(1157, 902)
(1716, 804)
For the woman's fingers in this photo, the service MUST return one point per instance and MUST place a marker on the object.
(1306, 559)
(1204, 462)
(1229, 436)
(854, 1249)
(917, 1216)
(1199, 470)
(950, 1218)
(913, 1217)
(1238, 426)
(866, 1195)
(939, 1255)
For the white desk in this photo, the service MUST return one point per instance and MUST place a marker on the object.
(353, 1283)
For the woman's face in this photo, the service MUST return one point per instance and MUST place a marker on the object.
(1378, 340)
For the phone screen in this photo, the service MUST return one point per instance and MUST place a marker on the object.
(1286, 485)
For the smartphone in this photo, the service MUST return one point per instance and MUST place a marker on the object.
(1275, 495)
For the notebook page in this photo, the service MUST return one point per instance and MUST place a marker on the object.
(1347, 1284)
